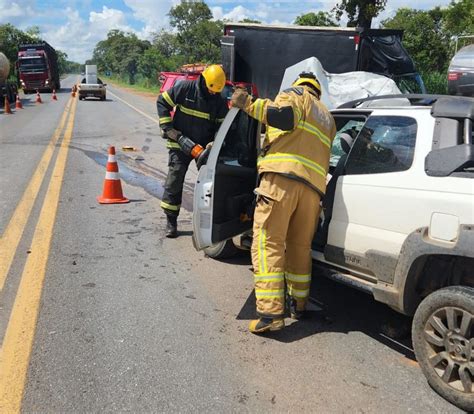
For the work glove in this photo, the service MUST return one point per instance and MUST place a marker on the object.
(240, 98)
(171, 133)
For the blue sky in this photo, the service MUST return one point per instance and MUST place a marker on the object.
(75, 26)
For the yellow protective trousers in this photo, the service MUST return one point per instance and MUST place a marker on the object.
(285, 220)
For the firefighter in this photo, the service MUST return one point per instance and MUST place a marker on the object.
(199, 110)
(292, 169)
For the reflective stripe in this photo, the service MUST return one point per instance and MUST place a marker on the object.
(168, 99)
(111, 158)
(163, 204)
(220, 120)
(270, 293)
(165, 119)
(284, 157)
(112, 176)
(275, 132)
(298, 113)
(172, 145)
(314, 130)
(269, 277)
(193, 112)
(298, 278)
(297, 293)
(258, 107)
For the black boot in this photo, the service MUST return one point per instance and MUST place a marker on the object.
(171, 227)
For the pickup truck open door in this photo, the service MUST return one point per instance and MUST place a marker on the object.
(223, 195)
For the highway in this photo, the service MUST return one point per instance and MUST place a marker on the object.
(99, 312)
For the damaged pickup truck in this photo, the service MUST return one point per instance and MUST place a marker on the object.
(397, 222)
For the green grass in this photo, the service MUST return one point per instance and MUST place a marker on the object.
(140, 86)
(436, 82)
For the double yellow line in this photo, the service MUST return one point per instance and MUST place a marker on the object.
(18, 339)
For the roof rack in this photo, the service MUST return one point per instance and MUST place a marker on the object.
(414, 99)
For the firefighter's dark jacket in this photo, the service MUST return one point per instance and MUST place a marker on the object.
(198, 114)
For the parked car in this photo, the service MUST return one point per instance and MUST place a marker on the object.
(398, 217)
(461, 72)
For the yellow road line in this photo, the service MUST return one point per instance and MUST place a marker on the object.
(11, 237)
(135, 108)
(18, 341)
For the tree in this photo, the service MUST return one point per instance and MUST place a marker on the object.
(10, 39)
(198, 36)
(458, 20)
(187, 14)
(316, 19)
(359, 12)
(119, 53)
(423, 37)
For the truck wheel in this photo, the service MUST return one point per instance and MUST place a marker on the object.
(222, 250)
(443, 341)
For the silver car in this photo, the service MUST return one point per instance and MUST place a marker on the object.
(461, 72)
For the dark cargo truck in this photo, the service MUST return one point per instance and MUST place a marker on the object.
(38, 67)
(260, 54)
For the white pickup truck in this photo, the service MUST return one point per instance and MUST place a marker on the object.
(397, 223)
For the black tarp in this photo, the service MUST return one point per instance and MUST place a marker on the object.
(260, 53)
(385, 55)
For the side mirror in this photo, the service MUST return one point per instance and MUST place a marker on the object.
(105, 84)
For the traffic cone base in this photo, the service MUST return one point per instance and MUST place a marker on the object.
(6, 107)
(18, 104)
(112, 192)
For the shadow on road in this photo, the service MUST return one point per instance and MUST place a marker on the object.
(345, 310)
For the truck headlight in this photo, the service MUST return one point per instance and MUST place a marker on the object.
(46, 81)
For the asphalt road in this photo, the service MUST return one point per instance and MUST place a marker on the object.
(99, 312)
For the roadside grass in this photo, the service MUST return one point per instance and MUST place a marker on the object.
(140, 86)
(436, 82)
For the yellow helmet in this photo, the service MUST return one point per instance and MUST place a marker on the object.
(215, 78)
(309, 79)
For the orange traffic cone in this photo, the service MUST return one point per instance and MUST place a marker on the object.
(7, 108)
(38, 97)
(53, 96)
(112, 193)
(18, 104)
(73, 91)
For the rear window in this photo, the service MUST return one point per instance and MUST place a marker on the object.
(464, 58)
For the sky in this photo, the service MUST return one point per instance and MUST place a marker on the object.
(75, 26)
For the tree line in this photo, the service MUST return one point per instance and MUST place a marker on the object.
(11, 37)
(195, 37)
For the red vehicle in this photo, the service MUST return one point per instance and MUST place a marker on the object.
(38, 67)
(192, 72)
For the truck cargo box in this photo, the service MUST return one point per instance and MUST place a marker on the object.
(260, 54)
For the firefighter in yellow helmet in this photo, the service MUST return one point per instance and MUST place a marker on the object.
(292, 169)
(199, 111)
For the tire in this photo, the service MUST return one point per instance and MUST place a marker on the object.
(222, 250)
(443, 341)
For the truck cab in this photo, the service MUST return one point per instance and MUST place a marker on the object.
(397, 221)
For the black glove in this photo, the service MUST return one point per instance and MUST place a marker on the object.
(171, 133)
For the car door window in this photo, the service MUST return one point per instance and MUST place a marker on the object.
(240, 145)
(344, 124)
(385, 144)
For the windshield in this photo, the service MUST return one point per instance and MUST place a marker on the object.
(32, 64)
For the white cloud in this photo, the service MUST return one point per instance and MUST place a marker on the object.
(78, 37)
(16, 11)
